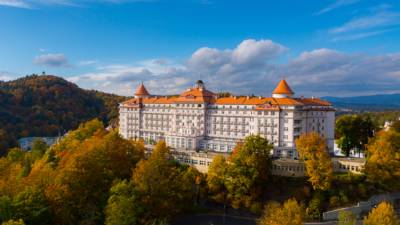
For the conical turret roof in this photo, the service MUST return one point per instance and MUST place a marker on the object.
(283, 88)
(141, 91)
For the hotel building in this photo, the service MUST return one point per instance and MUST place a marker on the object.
(199, 120)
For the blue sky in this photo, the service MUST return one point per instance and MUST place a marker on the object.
(329, 47)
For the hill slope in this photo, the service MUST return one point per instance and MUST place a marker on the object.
(48, 105)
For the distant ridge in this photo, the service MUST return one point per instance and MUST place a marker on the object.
(372, 102)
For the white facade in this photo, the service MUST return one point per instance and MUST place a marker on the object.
(198, 120)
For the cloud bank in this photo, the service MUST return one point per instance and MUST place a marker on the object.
(253, 67)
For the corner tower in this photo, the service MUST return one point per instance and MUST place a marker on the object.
(141, 92)
(282, 90)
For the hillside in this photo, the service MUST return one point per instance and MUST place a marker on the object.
(372, 102)
(48, 105)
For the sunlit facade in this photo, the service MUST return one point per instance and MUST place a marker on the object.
(199, 120)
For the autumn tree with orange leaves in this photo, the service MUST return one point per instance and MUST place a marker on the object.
(313, 150)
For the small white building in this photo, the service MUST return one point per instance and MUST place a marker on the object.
(199, 120)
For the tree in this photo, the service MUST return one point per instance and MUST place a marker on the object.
(85, 173)
(383, 214)
(38, 148)
(15, 154)
(247, 171)
(123, 206)
(291, 212)
(6, 208)
(6, 141)
(353, 132)
(14, 222)
(166, 187)
(313, 151)
(383, 162)
(395, 126)
(31, 205)
(216, 176)
(347, 218)
(314, 208)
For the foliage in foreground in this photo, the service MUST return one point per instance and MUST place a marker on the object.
(313, 151)
(239, 180)
(383, 214)
(290, 212)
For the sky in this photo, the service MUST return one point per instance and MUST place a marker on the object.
(321, 47)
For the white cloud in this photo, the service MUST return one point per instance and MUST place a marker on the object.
(88, 62)
(29, 4)
(15, 3)
(380, 19)
(361, 35)
(240, 70)
(335, 5)
(6, 76)
(329, 72)
(52, 60)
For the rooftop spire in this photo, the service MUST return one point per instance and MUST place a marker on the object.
(141, 91)
(282, 90)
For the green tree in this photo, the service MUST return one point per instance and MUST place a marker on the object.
(383, 214)
(39, 147)
(124, 206)
(314, 208)
(353, 132)
(247, 171)
(347, 218)
(32, 206)
(15, 154)
(6, 208)
(313, 151)
(165, 187)
(291, 212)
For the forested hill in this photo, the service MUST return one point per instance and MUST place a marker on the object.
(48, 105)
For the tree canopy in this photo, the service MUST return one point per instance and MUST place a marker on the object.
(353, 132)
(240, 179)
(383, 214)
(383, 162)
(290, 212)
(312, 149)
(48, 106)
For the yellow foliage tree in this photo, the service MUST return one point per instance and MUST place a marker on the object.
(14, 222)
(383, 163)
(216, 179)
(383, 214)
(312, 150)
(276, 214)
